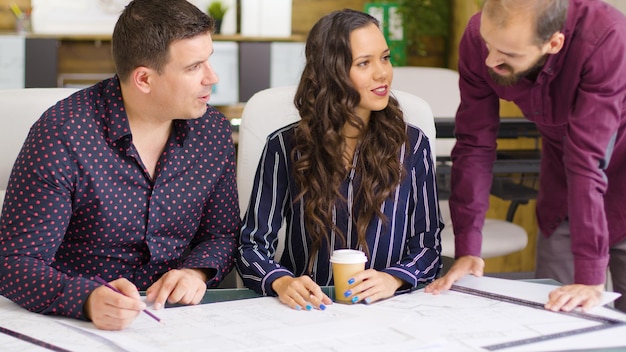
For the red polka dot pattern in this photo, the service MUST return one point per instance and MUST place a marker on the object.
(80, 203)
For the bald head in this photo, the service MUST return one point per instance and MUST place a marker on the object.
(546, 16)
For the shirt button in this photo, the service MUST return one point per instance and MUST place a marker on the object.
(536, 112)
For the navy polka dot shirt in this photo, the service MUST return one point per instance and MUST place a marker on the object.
(80, 203)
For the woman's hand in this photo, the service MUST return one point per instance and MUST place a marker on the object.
(300, 293)
(374, 286)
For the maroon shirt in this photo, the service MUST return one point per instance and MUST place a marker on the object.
(80, 203)
(578, 105)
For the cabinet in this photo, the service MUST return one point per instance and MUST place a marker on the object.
(245, 65)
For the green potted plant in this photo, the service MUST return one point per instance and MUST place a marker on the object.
(217, 10)
(427, 27)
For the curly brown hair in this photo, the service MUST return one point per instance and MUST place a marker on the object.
(326, 100)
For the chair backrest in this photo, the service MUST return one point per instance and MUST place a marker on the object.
(439, 87)
(270, 109)
(20, 109)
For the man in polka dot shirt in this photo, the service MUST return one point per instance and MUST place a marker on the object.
(132, 180)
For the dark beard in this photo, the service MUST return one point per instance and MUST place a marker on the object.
(530, 73)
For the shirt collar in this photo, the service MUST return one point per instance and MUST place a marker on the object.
(555, 61)
(114, 112)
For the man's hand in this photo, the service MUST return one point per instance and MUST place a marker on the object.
(186, 286)
(110, 310)
(462, 266)
(300, 292)
(568, 297)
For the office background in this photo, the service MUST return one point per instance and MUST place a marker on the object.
(67, 59)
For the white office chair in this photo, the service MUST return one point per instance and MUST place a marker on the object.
(20, 109)
(440, 88)
(270, 109)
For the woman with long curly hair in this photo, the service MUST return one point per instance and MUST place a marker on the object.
(350, 174)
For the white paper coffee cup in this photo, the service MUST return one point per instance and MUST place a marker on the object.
(346, 263)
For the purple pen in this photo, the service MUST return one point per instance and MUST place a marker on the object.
(103, 282)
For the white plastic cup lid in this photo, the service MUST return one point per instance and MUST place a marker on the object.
(348, 256)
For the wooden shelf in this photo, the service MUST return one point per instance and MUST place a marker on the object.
(107, 37)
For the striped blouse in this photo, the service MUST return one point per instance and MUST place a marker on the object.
(407, 245)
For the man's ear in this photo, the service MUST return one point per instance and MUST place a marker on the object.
(141, 77)
(555, 43)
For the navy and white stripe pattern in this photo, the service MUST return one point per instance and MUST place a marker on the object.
(407, 245)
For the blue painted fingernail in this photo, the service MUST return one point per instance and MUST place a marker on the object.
(308, 307)
(298, 307)
(347, 293)
(322, 307)
(350, 282)
(355, 299)
(368, 300)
